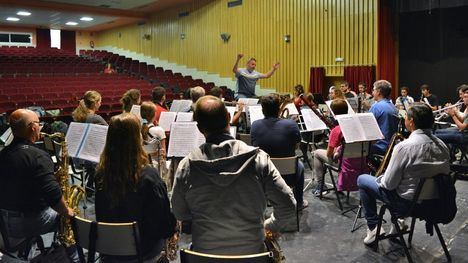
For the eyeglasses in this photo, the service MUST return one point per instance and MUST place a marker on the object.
(37, 122)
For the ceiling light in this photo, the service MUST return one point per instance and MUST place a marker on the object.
(12, 19)
(86, 18)
(71, 23)
(23, 13)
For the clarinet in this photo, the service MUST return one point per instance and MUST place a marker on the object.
(313, 107)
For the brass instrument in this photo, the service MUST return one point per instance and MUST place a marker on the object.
(313, 107)
(383, 165)
(440, 114)
(71, 193)
(284, 101)
(271, 241)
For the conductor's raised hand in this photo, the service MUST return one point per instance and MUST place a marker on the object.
(276, 66)
(239, 56)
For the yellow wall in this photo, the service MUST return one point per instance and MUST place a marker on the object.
(83, 38)
(320, 31)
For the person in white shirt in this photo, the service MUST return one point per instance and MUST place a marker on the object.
(404, 101)
(421, 155)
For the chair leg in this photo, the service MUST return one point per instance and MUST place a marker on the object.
(297, 218)
(442, 242)
(402, 240)
(379, 226)
(410, 236)
(358, 215)
(322, 184)
(336, 190)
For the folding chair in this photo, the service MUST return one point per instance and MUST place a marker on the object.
(189, 256)
(426, 190)
(111, 239)
(348, 150)
(245, 138)
(287, 166)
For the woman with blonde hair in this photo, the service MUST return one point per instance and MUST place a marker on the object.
(336, 93)
(130, 98)
(87, 108)
(128, 189)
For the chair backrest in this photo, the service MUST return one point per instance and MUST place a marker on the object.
(245, 138)
(285, 165)
(7, 243)
(114, 239)
(188, 256)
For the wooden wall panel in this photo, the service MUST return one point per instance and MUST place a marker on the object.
(320, 31)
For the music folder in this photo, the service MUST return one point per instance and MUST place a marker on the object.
(86, 141)
(359, 127)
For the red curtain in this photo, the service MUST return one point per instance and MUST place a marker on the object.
(386, 44)
(68, 40)
(317, 80)
(357, 74)
(42, 38)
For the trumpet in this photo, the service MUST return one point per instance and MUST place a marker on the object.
(440, 114)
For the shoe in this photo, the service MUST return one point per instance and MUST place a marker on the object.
(305, 204)
(317, 191)
(370, 238)
(401, 223)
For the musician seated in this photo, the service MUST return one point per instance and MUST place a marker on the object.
(196, 93)
(404, 101)
(459, 134)
(421, 155)
(298, 90)
(223, 187)
(150, 132)
(428, 98)
(347, 92)
(366, 98)
(128, 189)
(350, 167)
(385, 113)
(30, 196)
(279, 138)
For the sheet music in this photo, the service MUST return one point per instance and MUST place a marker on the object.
(94, 143)
(312, 121)
(231, 110)
(184, 116)
(350, 109)
(183, 139)
(353, 103)
(255, 113)
(233, 131)
(136, 109)
(292, 109)
(247, 102)
(74, 137)
(7, 137)
(359, 127)
(180, 105)
(166, 119)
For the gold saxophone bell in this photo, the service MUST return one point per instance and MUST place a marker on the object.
(271, 242)
(397, 137)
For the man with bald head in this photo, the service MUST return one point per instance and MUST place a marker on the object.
(223, 187)
(30, 196)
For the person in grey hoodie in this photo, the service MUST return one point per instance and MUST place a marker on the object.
(223, 187)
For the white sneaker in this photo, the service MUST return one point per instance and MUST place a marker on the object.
(401, 223)
(370, 238)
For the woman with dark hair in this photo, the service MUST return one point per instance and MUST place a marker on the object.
(298, 90)
(130, 98)
(128, 189)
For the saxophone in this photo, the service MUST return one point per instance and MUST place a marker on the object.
(71, 193)
(383, 165)
(271, 242)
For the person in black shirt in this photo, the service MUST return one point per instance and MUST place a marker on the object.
(347, 92)
(30, 196)
(128, 190)
(428, 98)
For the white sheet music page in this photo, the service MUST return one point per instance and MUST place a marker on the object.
(292, 109)
(184, 137)
(312, 121)
(351, 128)
(166, 119)
(180, 105)
(93, 143)
(231, 110)
(136, 109)
(248, 102)
(255, 113)
(184, 116)
(350, 109)
(370, 126)
(74, 137)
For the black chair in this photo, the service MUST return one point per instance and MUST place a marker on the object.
(189, 256)
(20, 246)
(426, 190)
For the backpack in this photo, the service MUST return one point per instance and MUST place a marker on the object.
(443, 209)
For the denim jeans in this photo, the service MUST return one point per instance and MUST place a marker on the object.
(452, 135)
(298, 182)
(23, 226)
(370, 191)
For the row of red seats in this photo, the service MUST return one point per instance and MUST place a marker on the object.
(37, 52)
